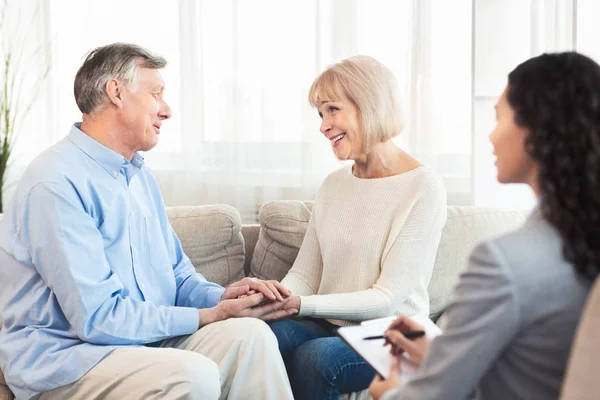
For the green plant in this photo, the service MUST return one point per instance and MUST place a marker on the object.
(19, 88)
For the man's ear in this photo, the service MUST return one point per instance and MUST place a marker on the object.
(114, 91)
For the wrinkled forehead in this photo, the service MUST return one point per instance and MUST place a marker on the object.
(150, 77)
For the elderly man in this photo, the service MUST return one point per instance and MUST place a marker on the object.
(99, 301)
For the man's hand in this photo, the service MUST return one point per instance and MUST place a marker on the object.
(244, 307)
(272, 290)
(379, 385)
(416, 348)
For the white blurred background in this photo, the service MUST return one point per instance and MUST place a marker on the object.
(242, 131)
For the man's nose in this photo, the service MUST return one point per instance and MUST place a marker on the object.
(165, 111)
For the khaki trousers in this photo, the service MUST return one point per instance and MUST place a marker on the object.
(235, 359)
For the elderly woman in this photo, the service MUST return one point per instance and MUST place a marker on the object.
(516, 308)
(371, 242)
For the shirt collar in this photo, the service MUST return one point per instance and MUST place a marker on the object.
(108, 159)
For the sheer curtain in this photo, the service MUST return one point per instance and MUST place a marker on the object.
(24, 37)
(248, 135)
(506, 33)
(239, 71)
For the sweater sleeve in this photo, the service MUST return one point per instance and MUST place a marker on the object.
(305, 275)
(406, 265)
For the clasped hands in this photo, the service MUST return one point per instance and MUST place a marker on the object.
(251, 297)
(416, 349)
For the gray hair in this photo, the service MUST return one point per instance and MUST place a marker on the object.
(115, 61)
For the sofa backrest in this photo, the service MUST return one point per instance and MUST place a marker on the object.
(282, 228)
(211, 236)
(465, 228)
(283, 224)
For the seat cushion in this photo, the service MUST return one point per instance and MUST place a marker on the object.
(283, 225)
(211, 236)
(282, 228)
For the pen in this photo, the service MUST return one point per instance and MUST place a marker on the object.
(407, 334)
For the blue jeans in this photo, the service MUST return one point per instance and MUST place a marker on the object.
(320, 365)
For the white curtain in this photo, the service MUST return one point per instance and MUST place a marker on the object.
(248, 135)
(506, 33)
(239, 71)
(24, 41)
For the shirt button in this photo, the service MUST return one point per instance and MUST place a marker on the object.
(143, 286)
(115, 174)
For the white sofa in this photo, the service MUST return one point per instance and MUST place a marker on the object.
(224, 250)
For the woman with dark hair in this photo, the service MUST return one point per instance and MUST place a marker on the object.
(515, 309)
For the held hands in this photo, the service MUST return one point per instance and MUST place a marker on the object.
(416, 348)
(278, 302)
(288, 307)
(248, 306)
(251, 297)
(272, 290)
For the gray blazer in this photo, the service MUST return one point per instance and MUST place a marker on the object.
(511, 322)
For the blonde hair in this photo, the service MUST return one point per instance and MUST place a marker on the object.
(371, 87)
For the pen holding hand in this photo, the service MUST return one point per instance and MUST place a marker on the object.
(416, 347)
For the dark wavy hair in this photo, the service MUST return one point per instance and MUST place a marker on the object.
(556, 97)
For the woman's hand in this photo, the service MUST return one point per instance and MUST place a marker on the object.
(416, 348)
(379, 385)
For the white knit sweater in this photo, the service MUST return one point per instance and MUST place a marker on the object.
(370, 246)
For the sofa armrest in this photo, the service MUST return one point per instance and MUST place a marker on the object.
(250, 234)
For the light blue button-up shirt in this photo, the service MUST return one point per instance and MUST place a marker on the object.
(88, 263)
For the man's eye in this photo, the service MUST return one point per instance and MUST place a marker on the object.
(333, 109)
(321, 115)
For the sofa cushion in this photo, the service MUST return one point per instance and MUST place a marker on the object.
(283, 224)
(282, 228)
(211, 237)
(465, 228)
